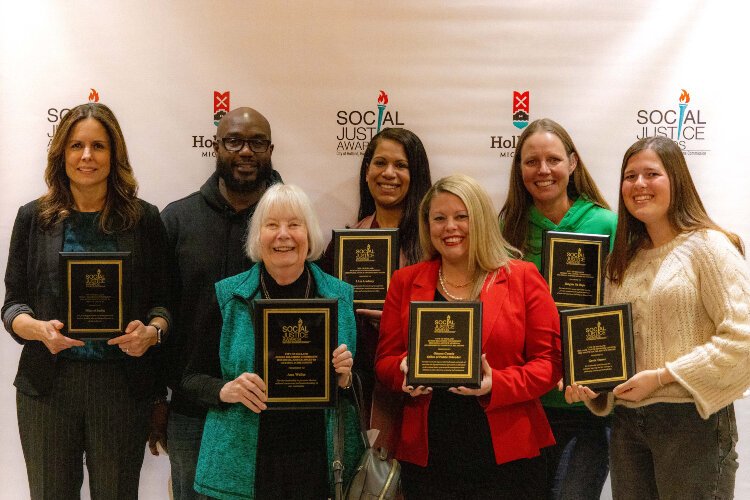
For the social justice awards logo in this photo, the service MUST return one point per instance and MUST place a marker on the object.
(446, 325)
(576, 258)
(597, 332)
(205, 144)
(358, 127)
(506, 144)
(682, 123)
(295, 334)
(96, 280)
(365, 254)
(54, 115)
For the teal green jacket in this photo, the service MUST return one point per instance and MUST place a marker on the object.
(226, 465)
(582, 217)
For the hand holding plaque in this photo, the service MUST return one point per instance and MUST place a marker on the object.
(295, 344)
(95, 293)
(573, 266)
(445, 344)
(366, 259)
(597, 346)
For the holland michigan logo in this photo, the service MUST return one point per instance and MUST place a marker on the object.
(521, 109)
(520, 114)
(221, 106)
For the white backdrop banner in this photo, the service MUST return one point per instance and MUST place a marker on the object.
(465, 76)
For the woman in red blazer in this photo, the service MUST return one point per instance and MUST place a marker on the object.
(485, 442)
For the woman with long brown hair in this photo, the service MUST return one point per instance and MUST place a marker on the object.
(94, 397)
(673, 423)
(551, 190)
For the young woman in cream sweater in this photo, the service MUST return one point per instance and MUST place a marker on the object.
(673, 427)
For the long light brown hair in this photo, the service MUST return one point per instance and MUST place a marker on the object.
(685, 213)
(488, 250)
(121, 208)
(515, 212)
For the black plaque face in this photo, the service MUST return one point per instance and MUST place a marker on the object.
(597, 346)
(445, 344)
(366, 258)
(295, 344)
(573, 266)
(95, 293)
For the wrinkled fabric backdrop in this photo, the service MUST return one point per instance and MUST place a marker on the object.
(465, 76)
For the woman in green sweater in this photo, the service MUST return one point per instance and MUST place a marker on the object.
(551, 190)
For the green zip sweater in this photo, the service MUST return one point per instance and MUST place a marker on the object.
(582, 217)
(226, 465)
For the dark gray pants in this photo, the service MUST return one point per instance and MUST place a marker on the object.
(667, 451)
(87, 411)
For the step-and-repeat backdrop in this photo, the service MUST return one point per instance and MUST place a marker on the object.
(467, 77)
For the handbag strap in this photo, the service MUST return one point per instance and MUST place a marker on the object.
(358, 397)
(340, 430)
(338, 451)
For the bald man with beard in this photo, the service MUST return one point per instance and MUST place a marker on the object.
(206, 234)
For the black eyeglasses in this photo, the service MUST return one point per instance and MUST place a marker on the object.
(235, 144)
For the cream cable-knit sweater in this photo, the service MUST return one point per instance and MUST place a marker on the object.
(691, 313)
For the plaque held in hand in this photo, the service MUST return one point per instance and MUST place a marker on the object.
(366, 259)
(597, 346)
(445, 344)
(573, 267)
(295, 340)
(95, 290)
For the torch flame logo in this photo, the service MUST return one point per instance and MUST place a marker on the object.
(684, 100)
(94, 96)
(382, 101)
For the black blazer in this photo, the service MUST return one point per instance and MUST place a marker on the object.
(32, 287)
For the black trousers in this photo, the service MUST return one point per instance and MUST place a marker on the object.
(87, 411)
(519, 479)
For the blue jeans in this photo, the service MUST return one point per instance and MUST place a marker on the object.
(578, 463)
(184, 440)
(667, 451)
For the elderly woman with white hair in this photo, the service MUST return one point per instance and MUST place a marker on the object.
(248, 452)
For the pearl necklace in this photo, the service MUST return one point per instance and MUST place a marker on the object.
(442, 285)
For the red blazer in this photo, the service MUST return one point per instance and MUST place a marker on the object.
(521, 338)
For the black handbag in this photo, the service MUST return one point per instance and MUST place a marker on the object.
(376, 476)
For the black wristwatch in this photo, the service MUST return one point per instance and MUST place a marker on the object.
(158, 333)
